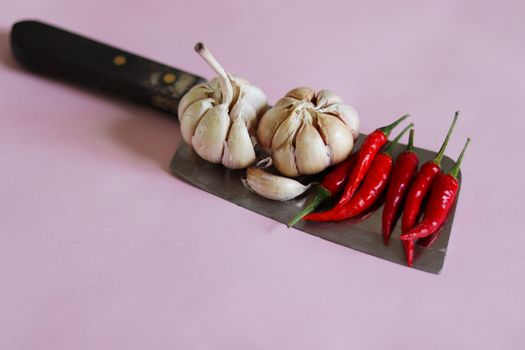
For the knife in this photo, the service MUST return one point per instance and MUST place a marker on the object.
(55, 52)
(61, 54)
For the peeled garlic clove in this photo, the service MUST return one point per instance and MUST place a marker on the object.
(208, 140)
(327, 97)
(238, 148)
(273, 186)
(192, 116)
(338, 138)
(310, 151)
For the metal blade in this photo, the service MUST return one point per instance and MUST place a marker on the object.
(364, 236)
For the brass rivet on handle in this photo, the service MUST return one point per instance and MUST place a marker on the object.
(169, 78)
(119, 60)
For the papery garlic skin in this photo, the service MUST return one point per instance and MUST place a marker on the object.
(305, 132)
(218, 117)
(272, 186)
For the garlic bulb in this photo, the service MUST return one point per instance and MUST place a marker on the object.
(218, 117)
(305, 131)
(272, 186)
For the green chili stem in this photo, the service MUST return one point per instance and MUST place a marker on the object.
(394, 142)
(321, 195)
(455, 169)
(410, 146)
(441, 152)
(387, 129)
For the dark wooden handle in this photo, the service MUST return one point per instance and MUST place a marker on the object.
(58, 53)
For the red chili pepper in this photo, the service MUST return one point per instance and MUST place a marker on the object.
(404, 169)
(366, 154)
(373, 186)
(333, 183)
(442, 196)
(421, 185)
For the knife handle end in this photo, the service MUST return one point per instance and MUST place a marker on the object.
(61, 54)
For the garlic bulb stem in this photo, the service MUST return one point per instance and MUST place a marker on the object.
(218, 118)
(224, 80)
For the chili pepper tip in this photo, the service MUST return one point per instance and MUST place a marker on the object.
(441, 152)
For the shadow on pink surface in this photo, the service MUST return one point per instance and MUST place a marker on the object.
(6, 58)
(147, 135)
(145, 132)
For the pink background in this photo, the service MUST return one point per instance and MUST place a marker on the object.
(101, 248)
